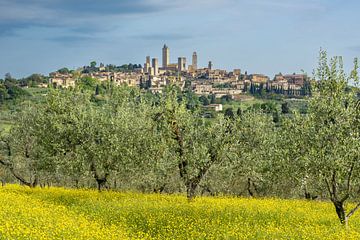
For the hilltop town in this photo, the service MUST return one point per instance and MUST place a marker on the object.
(203, 81)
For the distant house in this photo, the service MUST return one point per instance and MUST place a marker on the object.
(297, 79)
(279, 78)
(43, 85)
(63, 80)
(203, 89)
(215, 107)
(258, 78)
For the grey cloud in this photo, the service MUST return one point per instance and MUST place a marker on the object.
(40, 9)
(107, 7)
(71, 39)
(163, 36)
(8, 29)
(17, 14)
(283, 5)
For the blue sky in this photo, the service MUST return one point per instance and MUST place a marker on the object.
(260, 36)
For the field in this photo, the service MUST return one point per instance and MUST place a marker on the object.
(5, 125)
(8, 109)
(299, 105)
(57, 213)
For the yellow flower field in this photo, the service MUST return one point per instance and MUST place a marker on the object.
(57, 213)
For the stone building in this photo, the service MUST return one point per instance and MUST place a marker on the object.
(194, 61)
(210, 65)
(182, 64)
(61, 80)
(165, 56)
(297, 79)
(147, 65)
(258, 78)
(155, 66)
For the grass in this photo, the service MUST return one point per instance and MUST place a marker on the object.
(243, 104)
(294, 104)
(5, 120)
(297, 104)
(10, 107)
(58, 213)
(5, 126)
(37, 91)
(235, 105)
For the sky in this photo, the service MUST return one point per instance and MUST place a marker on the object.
(257, 36)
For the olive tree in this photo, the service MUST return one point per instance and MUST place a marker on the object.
(195, 144)
(19, 151)
(332, 135)
(254, 138)
(76, 138)
(120, 136)
(293, 150)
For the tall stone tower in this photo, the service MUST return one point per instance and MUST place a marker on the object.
(165, 56)
(155, 66)
(147, 64)
(210, 65)
(194, 61)
(181, 64)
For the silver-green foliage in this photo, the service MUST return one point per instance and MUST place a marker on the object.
(325, 147)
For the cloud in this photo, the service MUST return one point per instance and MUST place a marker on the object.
(6, 30)
(162, 36)
(302, 5)
(19, 14)
(87, 7)
(35, 9)
(71, 39)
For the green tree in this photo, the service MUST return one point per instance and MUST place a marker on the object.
(9, 78)
(195, 144)
(97, 90)
(63, 70)
(204, 100)
(269, 107)
(254, 141)
(3, 93)
(33, 80)
(293, 155)
(78, 138)
(19, 151)
(93, 64)
(87, 83)
(332, 135)
(239, 112)
(192, 101)
(276, 116)
(285, 108)
(212, 98)
(229, 113)
(226, 98)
